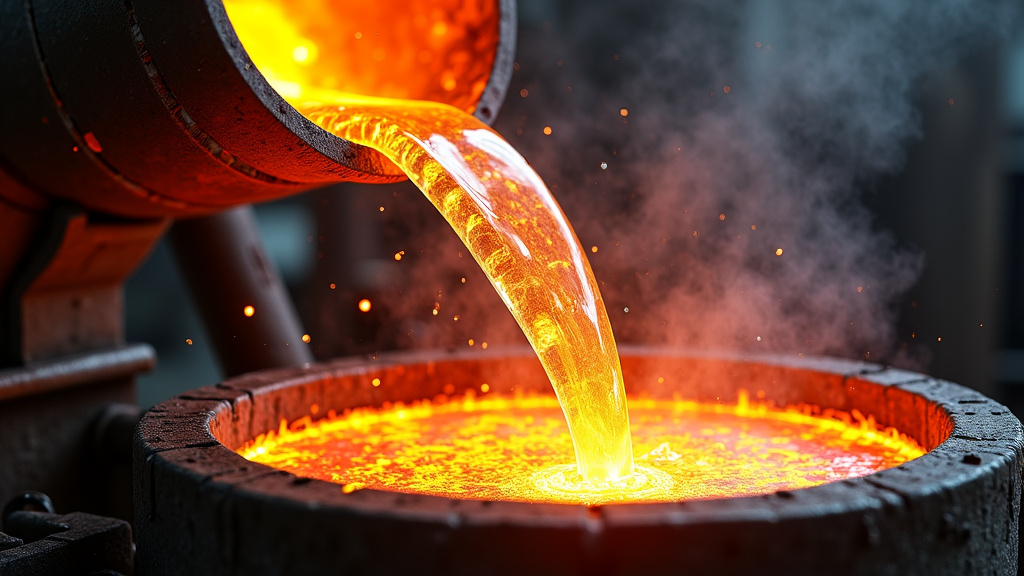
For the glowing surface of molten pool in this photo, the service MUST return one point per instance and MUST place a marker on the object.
(518, 448)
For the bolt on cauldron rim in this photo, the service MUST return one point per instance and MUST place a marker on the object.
(953, 509)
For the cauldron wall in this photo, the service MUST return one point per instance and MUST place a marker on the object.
(202, 508)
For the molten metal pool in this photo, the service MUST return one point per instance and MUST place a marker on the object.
(436, 475)
(518, 448)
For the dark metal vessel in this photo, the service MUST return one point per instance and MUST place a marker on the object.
(201, 508)
(153, 109)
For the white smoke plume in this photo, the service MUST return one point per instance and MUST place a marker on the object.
(715, 152)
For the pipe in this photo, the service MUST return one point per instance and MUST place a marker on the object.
(146, 108)
(250, 319)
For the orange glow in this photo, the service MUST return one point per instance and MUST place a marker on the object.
(547, 130)
(496, 203)
(623, 112)
(188, 341)
(365, 305)
(519, 236)
(778, 252)
(306, 338)
(518, 448)
(440, 50)
(248, 310)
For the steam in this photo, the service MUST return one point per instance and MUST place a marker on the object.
(703, 184)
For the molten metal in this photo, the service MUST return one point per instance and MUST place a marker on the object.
(518, 448)
(496, 203)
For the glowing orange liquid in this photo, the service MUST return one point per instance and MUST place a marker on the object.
(501, 448)
(505, 216)
(438, 50)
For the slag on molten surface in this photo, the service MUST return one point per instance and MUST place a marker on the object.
(518, 448)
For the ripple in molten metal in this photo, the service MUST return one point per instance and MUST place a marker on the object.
(518, 448)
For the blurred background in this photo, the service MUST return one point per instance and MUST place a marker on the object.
(757, 175)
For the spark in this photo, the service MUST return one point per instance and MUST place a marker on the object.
(306, 338)
(248, 311)
(365, 305)
(92, 142)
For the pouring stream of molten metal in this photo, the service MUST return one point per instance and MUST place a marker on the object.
(498, 206)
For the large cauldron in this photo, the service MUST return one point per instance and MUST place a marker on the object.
(200, 508)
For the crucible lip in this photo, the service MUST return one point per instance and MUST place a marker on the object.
(176, 121)
(973, 463)
(372, 165)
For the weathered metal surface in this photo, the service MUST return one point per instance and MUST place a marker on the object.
(64, 545)
(67, 294)
(50, 416)
(201, 508)
(146, 108)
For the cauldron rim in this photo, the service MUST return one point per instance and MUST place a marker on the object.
(970, 448)
(956, 444)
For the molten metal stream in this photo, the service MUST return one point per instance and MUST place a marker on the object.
(515, 448)
(494, 201)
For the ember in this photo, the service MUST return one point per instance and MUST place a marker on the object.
(518, 448)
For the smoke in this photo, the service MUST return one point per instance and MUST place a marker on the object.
(715, 152)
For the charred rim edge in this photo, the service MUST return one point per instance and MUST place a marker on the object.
(982, 435)
(343, 151)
